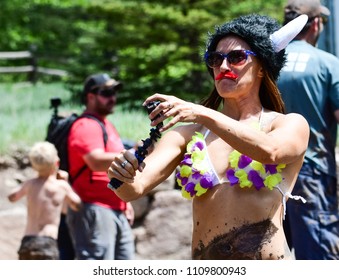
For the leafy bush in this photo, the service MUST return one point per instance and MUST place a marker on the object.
(150, 45)
(25, 113)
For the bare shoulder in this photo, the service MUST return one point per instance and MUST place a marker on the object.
(57, 186)
(29, 183)
(291, 119)
(63, 184)
(294, 119)
(295, 116)
(33, 183)
(186, 131)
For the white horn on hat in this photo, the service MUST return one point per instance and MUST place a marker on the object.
(285, 34)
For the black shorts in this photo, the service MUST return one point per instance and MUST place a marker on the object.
(38, 248)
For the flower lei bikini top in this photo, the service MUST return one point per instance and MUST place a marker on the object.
(196, 174)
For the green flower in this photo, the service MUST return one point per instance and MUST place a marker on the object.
(234, 158)
(280, 167)
(258, 166)
(185, 194)
(185, 171)
(243, 178)
(272, 180)
(199, 189)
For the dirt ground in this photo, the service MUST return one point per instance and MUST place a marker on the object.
(12, 215)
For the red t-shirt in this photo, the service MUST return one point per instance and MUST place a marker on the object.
(85, 136)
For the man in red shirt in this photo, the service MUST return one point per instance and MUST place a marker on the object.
(101, 230)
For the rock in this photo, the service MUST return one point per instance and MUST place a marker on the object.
(166, 230)
(6, 162)
(141, 206)
(168, 184)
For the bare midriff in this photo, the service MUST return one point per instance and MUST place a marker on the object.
(238, 224)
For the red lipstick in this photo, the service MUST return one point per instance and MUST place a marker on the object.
(226, 75)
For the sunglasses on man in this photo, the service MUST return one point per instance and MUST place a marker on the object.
(235, 57)
(324, 19)
(105, 92)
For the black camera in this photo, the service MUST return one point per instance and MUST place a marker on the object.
(151, 106)
(142, 151)
(55, 102)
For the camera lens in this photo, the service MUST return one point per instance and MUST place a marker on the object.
(55, 101)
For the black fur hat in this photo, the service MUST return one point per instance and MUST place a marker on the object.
(255, 30)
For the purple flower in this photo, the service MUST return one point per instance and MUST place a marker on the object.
(254, 176)
(196, 175)
(190, 188)
(199, 145)
(184, 181)
(187, 160)
(244, 161)
(230, 176)
(272, 168)
(207, 181)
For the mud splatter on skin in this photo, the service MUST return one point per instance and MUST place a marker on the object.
(243, 243)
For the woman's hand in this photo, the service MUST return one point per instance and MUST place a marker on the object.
(171, 106)
(124, 167)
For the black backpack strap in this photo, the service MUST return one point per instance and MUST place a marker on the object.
(105, 137)
(82, 169)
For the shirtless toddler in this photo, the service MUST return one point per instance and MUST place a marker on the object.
(45, 197)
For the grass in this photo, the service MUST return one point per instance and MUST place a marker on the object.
(25, 113)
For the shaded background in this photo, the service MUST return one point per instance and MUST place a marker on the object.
(150, 45)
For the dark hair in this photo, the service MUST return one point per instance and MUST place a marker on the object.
(255, 30)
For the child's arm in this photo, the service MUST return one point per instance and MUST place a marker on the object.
(71, 198)
(18, 193)
(62, 175)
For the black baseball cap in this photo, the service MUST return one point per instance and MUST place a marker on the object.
(100, 81)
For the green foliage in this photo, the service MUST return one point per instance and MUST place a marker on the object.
(25, 113)
(152, 46)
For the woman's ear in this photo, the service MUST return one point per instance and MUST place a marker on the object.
(261, 72)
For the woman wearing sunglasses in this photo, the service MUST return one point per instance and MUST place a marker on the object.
(238, 155)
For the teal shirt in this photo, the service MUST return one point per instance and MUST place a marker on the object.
(309, 85)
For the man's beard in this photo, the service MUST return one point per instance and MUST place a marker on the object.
(105, 110)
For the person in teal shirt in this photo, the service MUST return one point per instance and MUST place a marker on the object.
(309, 85)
